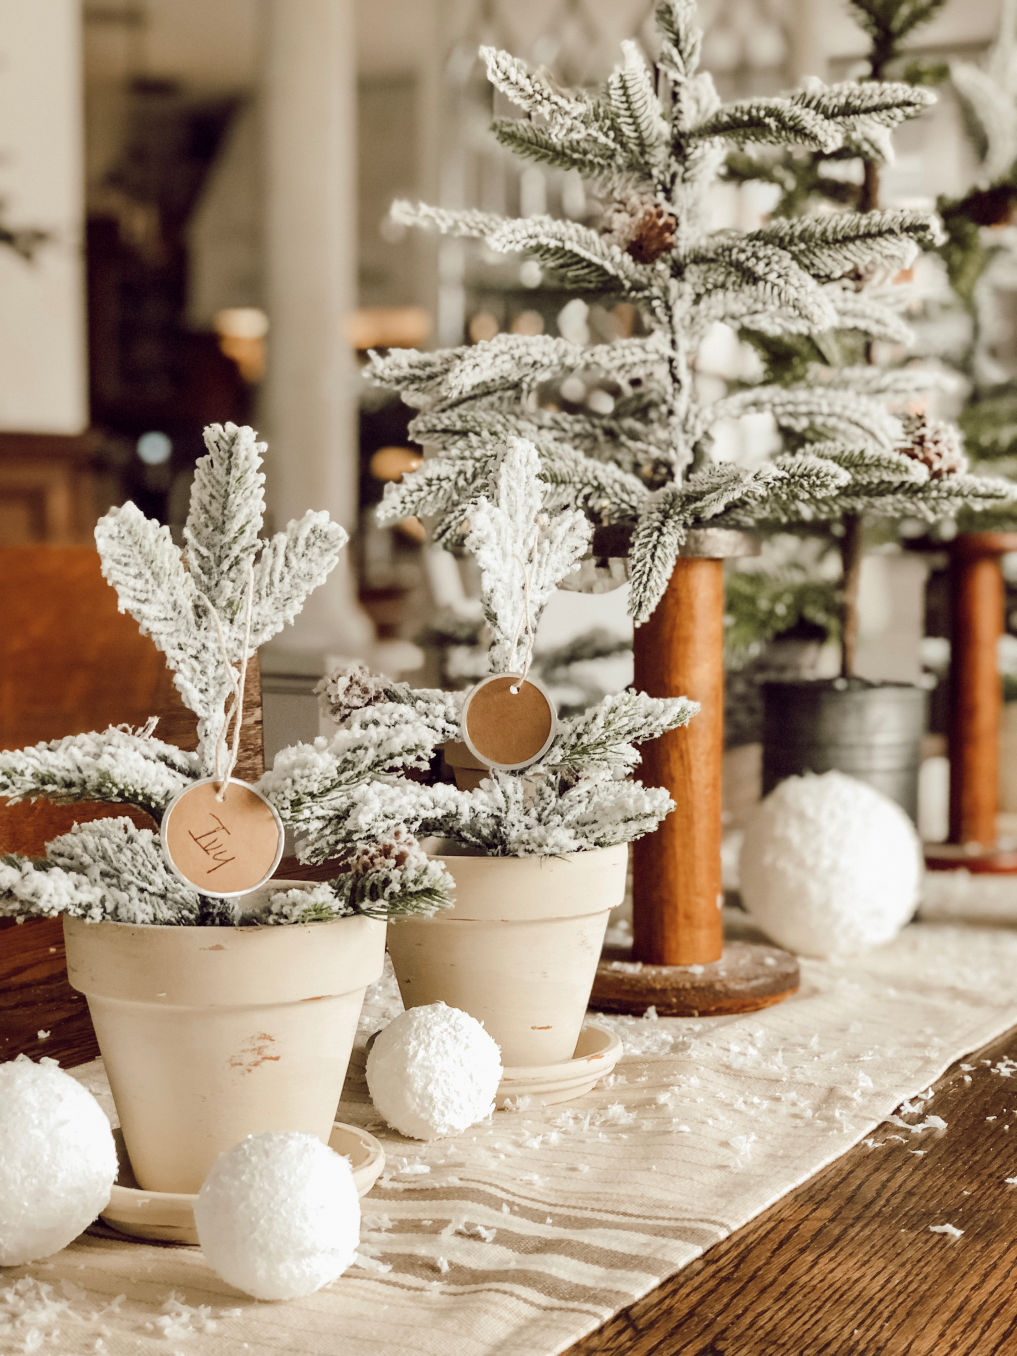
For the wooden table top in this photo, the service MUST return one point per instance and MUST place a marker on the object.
(846, 1265)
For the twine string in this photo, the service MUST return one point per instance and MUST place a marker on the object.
(525, 630)
(226, 755)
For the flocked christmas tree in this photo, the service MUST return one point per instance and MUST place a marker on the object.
(921, 474)
(578, 795)
(651, 142)
(208, 609)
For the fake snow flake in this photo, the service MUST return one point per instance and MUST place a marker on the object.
(829, 866)
(58, 1162)
(433, 1072)
(278, 1215)
(949, 1229)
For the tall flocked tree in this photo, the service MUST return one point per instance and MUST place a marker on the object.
(652, 141)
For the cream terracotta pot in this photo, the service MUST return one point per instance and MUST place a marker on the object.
(210, 1034)
(518, 950)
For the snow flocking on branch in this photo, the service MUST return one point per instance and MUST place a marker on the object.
(522, 553)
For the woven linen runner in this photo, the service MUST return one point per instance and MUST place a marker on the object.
(524, 1234)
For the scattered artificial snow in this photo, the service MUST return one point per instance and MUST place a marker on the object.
(950, 1229)
(433, 1072)
(278, 1216)
(829, 866)
(58, 1161)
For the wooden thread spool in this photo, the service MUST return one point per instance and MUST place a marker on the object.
(682, 967)
(676, 919)
(977, 599)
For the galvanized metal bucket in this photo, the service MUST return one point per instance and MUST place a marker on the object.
(873, 731)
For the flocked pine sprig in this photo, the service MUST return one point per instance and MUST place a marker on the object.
(36, 889)
(606, 735)
(514, 816)
(173, 596)
(522, 552)
(789, 489)
(117, 766)
(106, 869)
(311, 784)
(389, 878)
(353, 687)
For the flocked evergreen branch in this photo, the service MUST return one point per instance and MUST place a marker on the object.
(292, 564)
(38, 890)
(353, 687)
(606, 735)
(105, 869)
(144, 566)
(506, 816)
(174, 602)
(227, 508)
(833, 246)
(578, 255)
(116, 766)
(385, 879)
(817, 116)
(522, 553)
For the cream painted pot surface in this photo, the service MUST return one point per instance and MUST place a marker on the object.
(210, 1034)
(519, 949)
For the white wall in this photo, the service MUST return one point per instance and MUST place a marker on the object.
(43, 382)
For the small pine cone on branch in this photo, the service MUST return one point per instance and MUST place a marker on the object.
(643, 227)
(347, 689)
(935, 443)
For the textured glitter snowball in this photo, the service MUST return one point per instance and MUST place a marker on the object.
(433, 1071)
(58, 1161)
(278, 1215)
(830, 866)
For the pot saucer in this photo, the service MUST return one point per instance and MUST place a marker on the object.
(168, 1217)
(597, 1052)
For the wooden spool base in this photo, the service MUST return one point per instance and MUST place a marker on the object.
(747, 977)
(990, 859)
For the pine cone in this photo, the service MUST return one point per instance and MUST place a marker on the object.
(398, 850)
(643, 227)
(935, 443)
(346, 690)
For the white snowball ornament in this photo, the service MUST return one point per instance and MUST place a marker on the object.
(433, 1072)
(829, 866)
(58, 1161)
(278, 1215)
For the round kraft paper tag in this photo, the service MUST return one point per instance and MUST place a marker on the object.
(222, 847)
(508, 722)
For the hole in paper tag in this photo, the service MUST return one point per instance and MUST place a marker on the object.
(508, 722)
(222, 847)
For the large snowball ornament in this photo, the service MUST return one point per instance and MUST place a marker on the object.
(829, 866)
(433, 1071)
(278, 1215)
(58, 1161)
